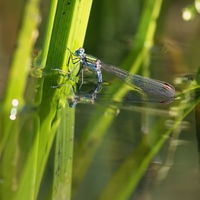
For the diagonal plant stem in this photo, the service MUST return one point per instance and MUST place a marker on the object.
(94, 131)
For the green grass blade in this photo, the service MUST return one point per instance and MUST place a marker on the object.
(16, 84)
(69, 29)
(20, 64)
(64, 156)
(27, 141)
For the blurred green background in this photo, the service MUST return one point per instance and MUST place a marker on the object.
(142, 151)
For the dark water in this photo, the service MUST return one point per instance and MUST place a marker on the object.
(173, 172)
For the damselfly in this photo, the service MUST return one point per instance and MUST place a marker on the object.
(160, 91)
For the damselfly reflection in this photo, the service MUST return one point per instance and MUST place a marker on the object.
(132, 96)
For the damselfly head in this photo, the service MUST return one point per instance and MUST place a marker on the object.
(80, 52)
